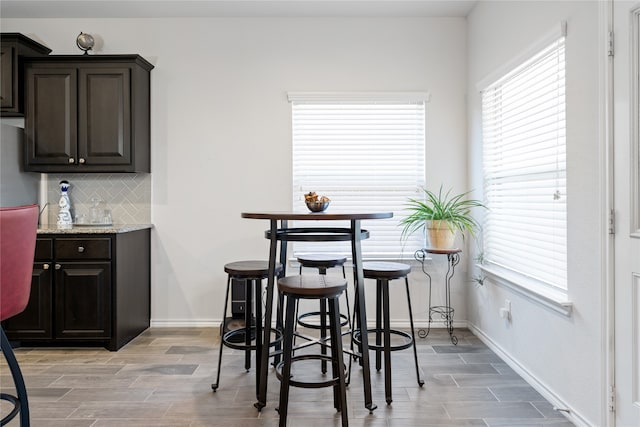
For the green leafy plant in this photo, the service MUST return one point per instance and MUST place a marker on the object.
(455, 209)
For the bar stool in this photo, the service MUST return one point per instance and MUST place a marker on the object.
(18, 227)
(383, 272)
(312, 287)
(252, 273)
(323, 262)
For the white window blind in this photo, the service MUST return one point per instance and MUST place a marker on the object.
(366, 153)
(523, 128)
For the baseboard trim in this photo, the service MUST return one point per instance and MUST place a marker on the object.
(570, 413)
(215, 323)
(186, 323)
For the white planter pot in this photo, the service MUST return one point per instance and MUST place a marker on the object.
(441, 236)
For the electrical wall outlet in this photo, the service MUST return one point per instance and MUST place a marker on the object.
(505, 311)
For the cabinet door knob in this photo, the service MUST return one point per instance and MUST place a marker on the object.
(58, 266)
(45, 266)
(81, 161)
(80, 249)
(71, 160)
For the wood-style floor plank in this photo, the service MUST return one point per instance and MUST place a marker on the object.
(163, 379)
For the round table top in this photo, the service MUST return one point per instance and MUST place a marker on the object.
(317, 216)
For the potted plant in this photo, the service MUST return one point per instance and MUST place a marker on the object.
(442, 214)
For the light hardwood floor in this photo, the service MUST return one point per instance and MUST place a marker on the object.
(163, 378)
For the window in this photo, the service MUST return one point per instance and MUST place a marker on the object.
(524, 157)
(365, 152)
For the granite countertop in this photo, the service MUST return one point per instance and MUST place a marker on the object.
(93, 229)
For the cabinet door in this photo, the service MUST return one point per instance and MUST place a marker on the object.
(51, 118)
(83, 300)
(104, 128)
(35, 321)
(7, 77)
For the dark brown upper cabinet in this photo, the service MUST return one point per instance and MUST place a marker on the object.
(13, 47)
(87, 114)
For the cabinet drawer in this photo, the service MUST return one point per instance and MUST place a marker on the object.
(44, 249)
(90, 248)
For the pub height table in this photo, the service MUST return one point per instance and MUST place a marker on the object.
(283, 233)
(445, 311)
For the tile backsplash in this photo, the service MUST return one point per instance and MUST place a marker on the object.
(127, 195)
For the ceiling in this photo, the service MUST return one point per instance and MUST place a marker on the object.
(232, 8)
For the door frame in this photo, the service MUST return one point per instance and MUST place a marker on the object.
(608, 26)
(608, 290)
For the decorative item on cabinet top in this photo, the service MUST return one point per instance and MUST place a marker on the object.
(87, 113)
(85, 42)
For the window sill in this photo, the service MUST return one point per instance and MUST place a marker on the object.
(554, 299)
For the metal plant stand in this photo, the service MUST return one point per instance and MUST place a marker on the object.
(445, 311)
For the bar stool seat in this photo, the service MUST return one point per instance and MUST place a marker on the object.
(249, 337)
(322, 262)
(295, 288)
(383, 273)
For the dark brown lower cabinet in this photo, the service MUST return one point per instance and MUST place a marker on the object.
(87, 289)
(35, 322)
(83, 300)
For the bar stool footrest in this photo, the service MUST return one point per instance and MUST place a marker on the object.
(344, 320)
(15, 410)
(396, 347)
(308, 384)
(229, 340)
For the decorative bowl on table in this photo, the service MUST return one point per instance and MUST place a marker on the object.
(316, 203)
(317, 206)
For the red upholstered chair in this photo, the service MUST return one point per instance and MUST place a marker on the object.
(18, 228)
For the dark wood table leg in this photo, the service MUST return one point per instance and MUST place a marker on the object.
(280, 303)
(259, 340)
(356, 249)
(264, 357)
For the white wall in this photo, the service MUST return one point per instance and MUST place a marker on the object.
(221, 145)
(221, 126)
(564, 355)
